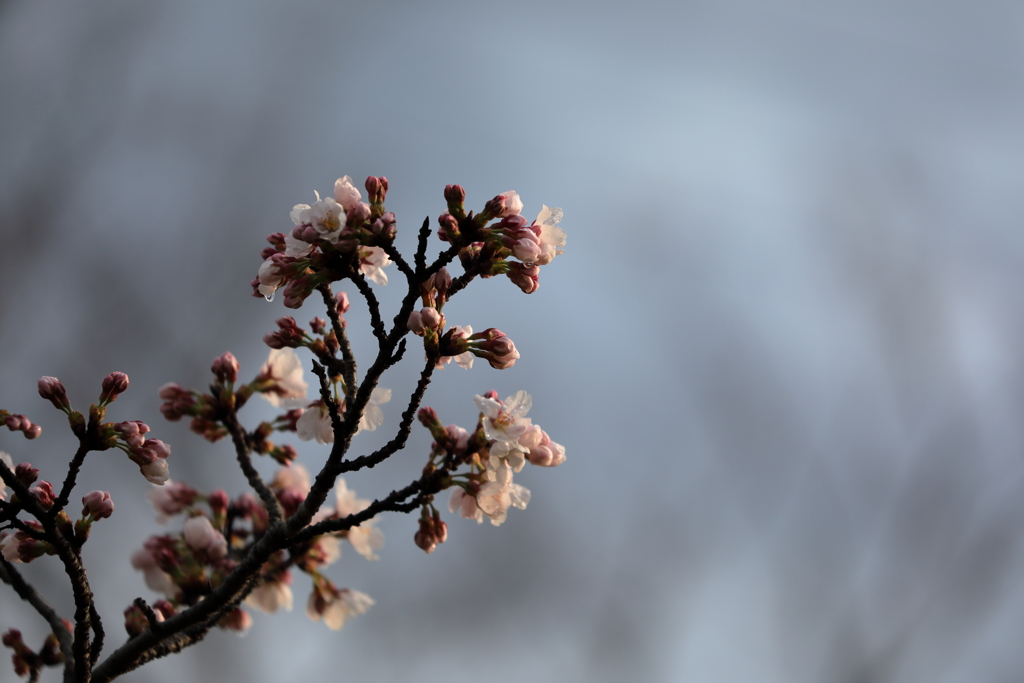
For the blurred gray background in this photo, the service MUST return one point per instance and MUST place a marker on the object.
(783, 347)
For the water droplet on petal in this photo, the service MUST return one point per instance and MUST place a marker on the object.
(270, 297)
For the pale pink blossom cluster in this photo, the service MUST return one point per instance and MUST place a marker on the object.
(185, 566)
(315, 421)
(149, 454)
(486, 246)
(512, 440)
(329, 235)
(207, 557)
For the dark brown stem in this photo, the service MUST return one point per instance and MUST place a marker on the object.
(421, 248)
(373, 305)
(69, 480)
(9, 575)
(349, 360)
(400, 262)
(242, 452)
(72, 567)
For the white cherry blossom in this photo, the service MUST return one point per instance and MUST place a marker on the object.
(326, 216)
(315, 422)
(495, 498)
(270, 597)
(337, 609)
(552, 237)
(200, 535)
(372, 262)
(285, 369)
(365, 538)
(345, 193)
(465, 505)
(505, 423)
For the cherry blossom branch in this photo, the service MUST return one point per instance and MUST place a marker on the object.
(72, 567)
(348, 359)
(98, 633)
(404, 429)
(371, 302)
(421, 247)
(10, 575)
(242, 450)
(459, 283)
(426, 485)
(70, 479)
(328, 399)
(147, 611)
(399, 260)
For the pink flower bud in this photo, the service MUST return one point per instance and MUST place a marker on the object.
(171, 498)
(415, 323)
(113, 386)
(376, 189)
(200, 535)
(448, 229)
(53, 391)
(345, 193)
(225, 368)
(26, 474)
(156, 448)
(527, 278)
(43, 491)
(97, 504)
(237, 620)
(428, 416)
(155, 472)
(424, 537)
(454, 194)
(431, 318)
(505, 204)
(218, 501)
(493, 345)
(342, 302)
(442, 281)
(547, 453)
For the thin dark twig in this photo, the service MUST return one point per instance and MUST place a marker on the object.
(394, 502)
(328, 399)
(98, 633)
(371, 302)
(349, 368)
(400, 262)
(421, 246)
(69, 480)
(404, 429)
(10, 575)
(72, 567)
(154, 621)
(242, 450)
(29, 531)
(460, 283)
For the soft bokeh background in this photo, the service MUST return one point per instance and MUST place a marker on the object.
(783, 347)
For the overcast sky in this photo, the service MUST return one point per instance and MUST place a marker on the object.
(782, 348)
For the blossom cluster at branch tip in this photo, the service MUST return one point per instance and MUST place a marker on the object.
(113, 386)
(149, 454)
(486, 247)
(185, 566)
(20, 423)
(28, 662)
(206, 555)
(332, 238)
